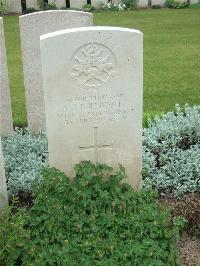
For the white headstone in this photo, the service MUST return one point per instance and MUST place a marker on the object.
(3, 188)
(60, 3)
(6, 122)
(158, 2)
(93, 87)
(194, 1)
(15, 6)
(143, 3)
(77, 3)
(32, 26)
(32, 3)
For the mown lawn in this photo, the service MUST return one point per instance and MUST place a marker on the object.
(171, 56)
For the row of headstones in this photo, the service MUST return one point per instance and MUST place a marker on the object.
(16, 5)
(32, 26)
(90, 92)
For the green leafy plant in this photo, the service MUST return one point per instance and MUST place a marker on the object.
(12, 235)
(156, 6)
(47, 5)
(109, 6)
(88, 8)
(93, 219)
(130, 4)
(42, 4)
(176, 4)
(51, 5)
(4, 7)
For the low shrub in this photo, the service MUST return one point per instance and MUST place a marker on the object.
(176, 4)
(118, 6)
(42, 4)
(13, 236)
(88, 8)
(130, 4)
(156, 6)
(25, 156)
(91, 220)
(121, 5)
(171, 152)
(51, 6)
(47, 5)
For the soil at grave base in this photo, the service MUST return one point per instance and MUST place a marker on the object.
(189, 248)
(188, 245)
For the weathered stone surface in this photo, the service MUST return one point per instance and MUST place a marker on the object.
(93, 87)
(60, 3)
(194, 1)
(15, 6)
(143, 3)
(32, 26)
(158, 2)
(3, 189)
(6, 122)
(32, 3)
(78, 3)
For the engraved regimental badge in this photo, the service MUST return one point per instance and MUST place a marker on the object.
(92, 65)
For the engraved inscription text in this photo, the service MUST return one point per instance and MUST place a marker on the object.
(95, 108)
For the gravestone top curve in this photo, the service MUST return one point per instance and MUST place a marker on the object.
(32, 26)
(50, 12)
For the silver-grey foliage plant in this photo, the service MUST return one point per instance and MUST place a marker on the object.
(171, 152)
(25, 156)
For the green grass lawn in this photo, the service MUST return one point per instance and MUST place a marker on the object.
(171, 56)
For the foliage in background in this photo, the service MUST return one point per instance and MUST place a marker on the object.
(88, 8)
(25, 156)
(42, 4)
(12, 235)
(4, 7)
(171, 152)
(51, 5)
(121, 5)
(176, 4)
(93, 219)
(108, 6)
(156, 6)
(47, 5)
(130, 4)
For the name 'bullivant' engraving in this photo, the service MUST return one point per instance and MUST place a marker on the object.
(94, 108)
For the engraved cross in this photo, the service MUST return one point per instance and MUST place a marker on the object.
(96, 147)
